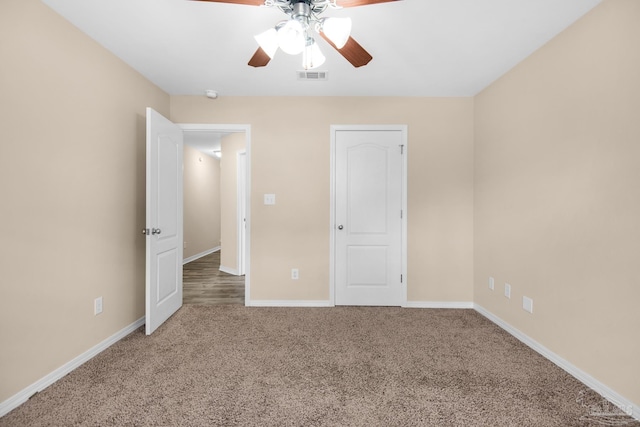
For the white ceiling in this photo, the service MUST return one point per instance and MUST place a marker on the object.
(443, 48)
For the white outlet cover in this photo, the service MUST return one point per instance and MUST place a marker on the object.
(491, 283)
(527, 304)
(294, 274)
(269, 199)
(507, 290)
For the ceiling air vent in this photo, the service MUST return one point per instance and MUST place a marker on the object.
(313, 75)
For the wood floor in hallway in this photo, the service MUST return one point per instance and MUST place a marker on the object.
(204, 284)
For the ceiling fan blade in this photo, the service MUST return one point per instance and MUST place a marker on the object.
(259, 59)
(353, 3)
(247, 2)
(352, 51)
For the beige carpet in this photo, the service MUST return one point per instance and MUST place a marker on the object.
(232, 365)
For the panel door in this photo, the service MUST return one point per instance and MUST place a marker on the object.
(368, 218)
(164, 220)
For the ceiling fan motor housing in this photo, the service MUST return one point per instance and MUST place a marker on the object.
(301, 11)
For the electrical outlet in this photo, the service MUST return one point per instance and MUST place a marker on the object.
(507, 290)
(294, 274)
(97, 306)
(527, 304)
(269, 199)
(491, 283)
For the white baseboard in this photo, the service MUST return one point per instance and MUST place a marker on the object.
(612, 396)
(200, 255)
(438, 304)
(322, 303)
(44, 382)
(289, 303)
(229, 270)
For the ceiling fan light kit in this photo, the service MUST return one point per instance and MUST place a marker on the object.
(312, 56)
(337, 30)
(294, 36)
(268, 41)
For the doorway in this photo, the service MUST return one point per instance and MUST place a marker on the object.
(221, 274)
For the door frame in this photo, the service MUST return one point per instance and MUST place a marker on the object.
(241, 210)
(236, 128)
(332, 213)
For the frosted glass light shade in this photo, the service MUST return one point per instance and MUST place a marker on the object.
(268, 41)
(291, 37)
(312, 56)
(337, 30)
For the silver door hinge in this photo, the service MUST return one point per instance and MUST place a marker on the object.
(401, 149)
(401, 278)
(400, 214)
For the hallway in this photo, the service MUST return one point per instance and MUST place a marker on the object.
(205, 284)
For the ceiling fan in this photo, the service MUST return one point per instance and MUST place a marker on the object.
(294, 35)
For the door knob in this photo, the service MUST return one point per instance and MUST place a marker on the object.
(156, 231)
(340, 227)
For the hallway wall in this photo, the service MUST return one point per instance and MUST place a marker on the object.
(201, 202)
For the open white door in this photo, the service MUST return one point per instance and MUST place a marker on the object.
(164, 220)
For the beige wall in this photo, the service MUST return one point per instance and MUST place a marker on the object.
(201, 202)
(557, 195)
(290, 150)
(231, 145)
(72, 180)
